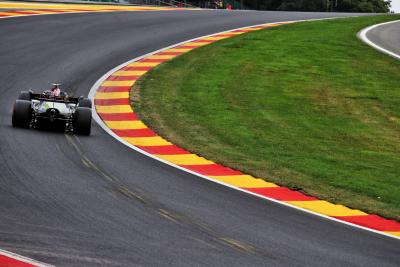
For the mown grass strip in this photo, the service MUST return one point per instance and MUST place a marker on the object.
(307, 106)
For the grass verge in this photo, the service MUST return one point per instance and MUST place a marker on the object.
(307, 106)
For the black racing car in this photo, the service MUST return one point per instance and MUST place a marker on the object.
(34, 110)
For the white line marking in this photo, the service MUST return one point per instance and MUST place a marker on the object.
(363, 36)
(23, 259)
(94, 88)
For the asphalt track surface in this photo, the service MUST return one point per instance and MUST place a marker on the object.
(386, 36)
(90, 201)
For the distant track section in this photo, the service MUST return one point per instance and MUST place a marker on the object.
(18, 9)
(384, 37)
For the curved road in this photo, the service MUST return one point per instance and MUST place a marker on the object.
(90, 201)
(386, 36)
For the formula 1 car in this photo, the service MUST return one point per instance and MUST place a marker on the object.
(71, 114)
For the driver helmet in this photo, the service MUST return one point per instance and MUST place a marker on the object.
(55, 91)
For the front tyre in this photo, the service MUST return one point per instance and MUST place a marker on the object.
(22, 114)
(82, 121)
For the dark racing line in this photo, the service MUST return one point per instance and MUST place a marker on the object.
(74, 200)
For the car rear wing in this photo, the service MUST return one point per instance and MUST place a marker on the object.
(61, 99)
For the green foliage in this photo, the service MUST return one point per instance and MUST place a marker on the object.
(375, 6)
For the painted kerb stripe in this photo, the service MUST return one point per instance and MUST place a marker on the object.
(162, 150)
(11, 259)
(38, 9)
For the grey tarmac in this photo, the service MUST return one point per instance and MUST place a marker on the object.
(386, 36)
(91, 201)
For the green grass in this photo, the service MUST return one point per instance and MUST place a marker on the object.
(307, 105)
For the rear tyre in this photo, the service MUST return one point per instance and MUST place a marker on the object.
(85, 103)
(24, 95)
(82, 121)
(22, 114)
